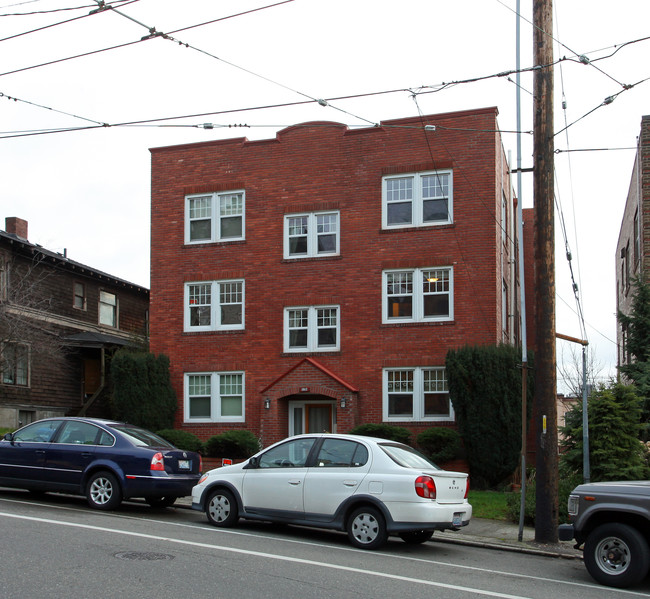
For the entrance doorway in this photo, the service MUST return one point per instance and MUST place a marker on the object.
(311, 416)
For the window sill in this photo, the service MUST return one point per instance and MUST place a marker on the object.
(214, 332)
(415, 228)
(427, 323)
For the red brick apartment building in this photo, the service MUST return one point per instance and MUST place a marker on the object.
(316, 280)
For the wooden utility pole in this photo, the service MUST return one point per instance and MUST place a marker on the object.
(546, 515)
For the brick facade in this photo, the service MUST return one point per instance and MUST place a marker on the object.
(326, 166)
(633, 247)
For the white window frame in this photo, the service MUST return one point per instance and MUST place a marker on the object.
(312, 234)
(418, 392)
(215, 379)
(418, 294)
(213, 204)
(416, 198)
(312, 329)
(104, 306)
(216, 288)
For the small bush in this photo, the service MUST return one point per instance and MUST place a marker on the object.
(181, 439)
(565, 486)
(440, 444)
(383, 431)
(237, 444)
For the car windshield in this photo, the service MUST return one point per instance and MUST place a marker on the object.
(407, 457)
(142, 437)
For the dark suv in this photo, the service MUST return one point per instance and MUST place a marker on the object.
(612, 519)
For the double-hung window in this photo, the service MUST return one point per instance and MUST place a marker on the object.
(214, 217)
(14, 364)
(107, 308)
(79, 295)
(310, 235)
(417, 199)
(416, 394)
(418, 295)
(214, 397)
(311, 328)
(214, 305)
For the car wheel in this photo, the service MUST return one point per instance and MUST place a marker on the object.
(367, 528)
(415, 537)
(221, 508)
(103, 491)
(161, 501)
(616, 555)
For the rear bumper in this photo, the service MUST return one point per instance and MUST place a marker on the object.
(163, 486)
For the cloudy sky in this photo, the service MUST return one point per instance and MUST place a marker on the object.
(84, 96)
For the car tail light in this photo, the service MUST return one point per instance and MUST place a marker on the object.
(466, 489)
(425, 487)
(157, 462)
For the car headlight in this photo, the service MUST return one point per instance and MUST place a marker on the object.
(203, 479)
(572, 505)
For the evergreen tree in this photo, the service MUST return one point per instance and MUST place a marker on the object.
(637, 325)
(615, 452)
(485, 390)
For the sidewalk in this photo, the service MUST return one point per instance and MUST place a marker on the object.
(490, 534)
(498, 534)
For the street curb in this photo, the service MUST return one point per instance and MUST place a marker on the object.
(507, 547)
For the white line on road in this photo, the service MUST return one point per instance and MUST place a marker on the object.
(261, 554)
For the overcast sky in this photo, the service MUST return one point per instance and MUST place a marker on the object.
(75, 134)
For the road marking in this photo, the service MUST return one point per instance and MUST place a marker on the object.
(392, 556)
(261, 554)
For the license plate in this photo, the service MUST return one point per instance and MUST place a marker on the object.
(458, 519)
(184, 464)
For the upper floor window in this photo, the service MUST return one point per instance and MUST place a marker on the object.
(416, 394)
(313, 328)
(214, 397)
(79, 296)
(214, 305)
(308, 235)
(419, 294)
(417, 200)
(214, 217)
(14, 363)
(107, 308)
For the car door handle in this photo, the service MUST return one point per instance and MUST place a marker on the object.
(294, 482)
(86, 454)
(350, 483)
(39, 451)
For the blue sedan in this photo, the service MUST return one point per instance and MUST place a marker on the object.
(104, 460)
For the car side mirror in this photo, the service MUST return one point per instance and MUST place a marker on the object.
(253, 463)
(9, 437)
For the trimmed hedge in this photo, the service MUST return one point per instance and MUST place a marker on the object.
(182, 439)
(440, 444)
(383, 431)
(237, 444)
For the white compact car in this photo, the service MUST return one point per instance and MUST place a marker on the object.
(369, 487)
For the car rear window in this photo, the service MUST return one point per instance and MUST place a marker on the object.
(141, 437)
(407, 456)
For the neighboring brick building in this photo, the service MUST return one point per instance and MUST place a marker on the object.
(633, 247)
(316, 281)
(59, 322)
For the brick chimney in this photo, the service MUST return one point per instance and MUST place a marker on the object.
(16, 226)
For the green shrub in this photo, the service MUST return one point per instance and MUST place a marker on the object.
(235, 444)
(440, 444)
(513, 500)
(182, 439)
(142, 390)
(485, 388)
(383, 431)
